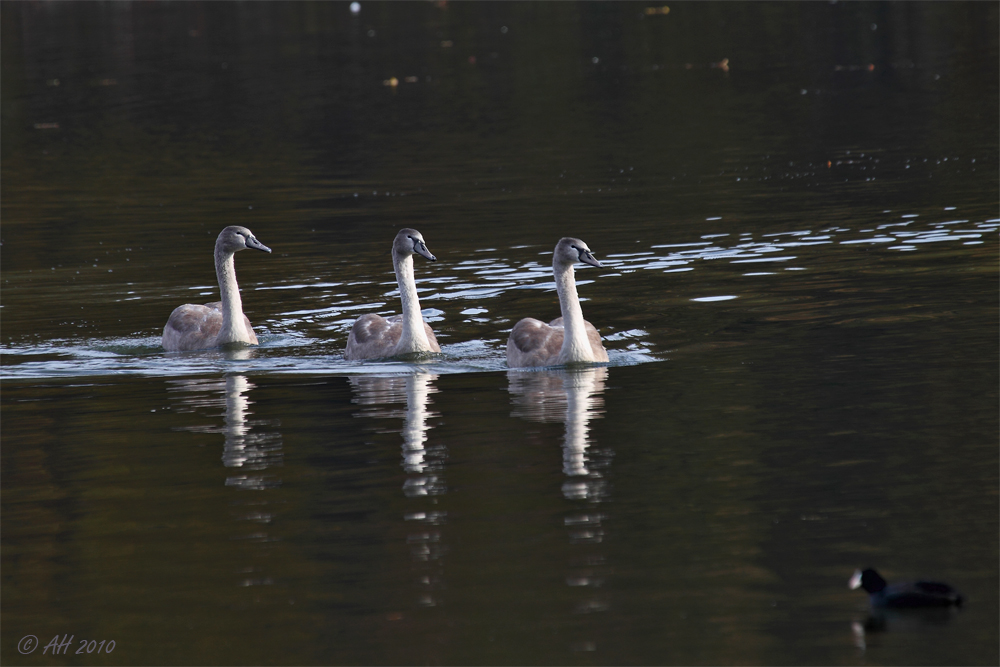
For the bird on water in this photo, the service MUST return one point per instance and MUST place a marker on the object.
(377, 337)
(200, 327)
(566, 339)
(909, 594)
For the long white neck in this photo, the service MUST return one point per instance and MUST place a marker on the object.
(414, 336)
(576, 346)
(233, 327)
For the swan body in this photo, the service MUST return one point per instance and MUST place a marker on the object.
(200, 327)
(377, 337)
(566, 339)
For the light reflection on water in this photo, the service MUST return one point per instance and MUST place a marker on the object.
(143, 355)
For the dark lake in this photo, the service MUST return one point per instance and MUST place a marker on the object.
(797, 208)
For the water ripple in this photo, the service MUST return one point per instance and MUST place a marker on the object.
(145, 357)
(285, 351)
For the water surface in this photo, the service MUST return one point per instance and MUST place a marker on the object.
(796, 207)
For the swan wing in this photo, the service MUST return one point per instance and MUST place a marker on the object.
(431, 338)
(596, 344)
(253, 336)
(193, 327)
(373, 337)
(534, 343)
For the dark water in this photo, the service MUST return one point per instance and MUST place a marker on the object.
(797, 208)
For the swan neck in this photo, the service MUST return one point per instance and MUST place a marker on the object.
(232, 306)
(575, 342)
(414, 337)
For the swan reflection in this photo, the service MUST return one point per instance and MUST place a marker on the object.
(377, 394)
(250, 445)
(383, 398)
(575, 398)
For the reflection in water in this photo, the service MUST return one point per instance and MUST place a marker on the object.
(250, 445)
(245, 448)
(423, 463)
(574, 397)
(904, 621)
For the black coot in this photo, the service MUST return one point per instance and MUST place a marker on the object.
(906, 595)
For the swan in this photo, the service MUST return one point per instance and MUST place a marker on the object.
(566, 339)
(377, 337)
(195, 327)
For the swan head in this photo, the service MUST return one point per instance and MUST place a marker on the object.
(570, 250)
(235, 238)
(410, 242)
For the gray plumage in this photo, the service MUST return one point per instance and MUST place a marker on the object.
(566, 339)
(377, 337)
(200, 327)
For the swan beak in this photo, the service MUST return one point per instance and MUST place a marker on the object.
(421, 249)
(855, 581)
(256, 245)
(587, 258)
